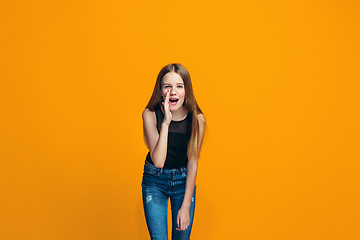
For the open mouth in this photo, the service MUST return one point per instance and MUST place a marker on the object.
(173, 101)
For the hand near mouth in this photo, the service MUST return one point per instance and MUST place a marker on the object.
(167, 113)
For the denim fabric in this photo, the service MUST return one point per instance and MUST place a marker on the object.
(158, 185)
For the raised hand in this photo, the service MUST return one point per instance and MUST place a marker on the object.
(167, 113)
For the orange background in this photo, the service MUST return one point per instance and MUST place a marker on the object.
(278, 82)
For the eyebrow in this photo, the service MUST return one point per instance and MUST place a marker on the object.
(176, 84)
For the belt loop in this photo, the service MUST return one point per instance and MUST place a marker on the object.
(161, 170)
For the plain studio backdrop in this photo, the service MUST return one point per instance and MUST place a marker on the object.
(278, 82)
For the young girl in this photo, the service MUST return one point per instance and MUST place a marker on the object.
(174, 129)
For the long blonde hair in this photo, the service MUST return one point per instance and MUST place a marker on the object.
(190, 103)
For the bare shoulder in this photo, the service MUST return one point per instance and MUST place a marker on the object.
(201, 118)
(202, 125)
(148, 114)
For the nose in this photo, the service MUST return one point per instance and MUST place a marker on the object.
(172, 91)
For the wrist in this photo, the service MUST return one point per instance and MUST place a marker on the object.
(185, 207)
(165, 124)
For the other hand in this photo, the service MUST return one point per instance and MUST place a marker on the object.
(183, 219)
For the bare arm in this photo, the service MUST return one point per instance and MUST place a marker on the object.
(156, 143)
(192, 167)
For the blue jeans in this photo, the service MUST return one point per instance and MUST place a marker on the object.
(158, 184)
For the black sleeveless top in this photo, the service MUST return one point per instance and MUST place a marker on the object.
(178, 139)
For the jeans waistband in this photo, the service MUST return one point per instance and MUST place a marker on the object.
(165, 170)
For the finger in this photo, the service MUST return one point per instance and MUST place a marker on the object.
(182, 225)
(166, 97)
(186, 225)
(178, 222)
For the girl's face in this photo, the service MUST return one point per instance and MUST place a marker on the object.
(173, 83)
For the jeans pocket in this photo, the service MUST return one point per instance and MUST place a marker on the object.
(152, 170)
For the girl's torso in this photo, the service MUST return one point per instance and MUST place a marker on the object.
(178, 139)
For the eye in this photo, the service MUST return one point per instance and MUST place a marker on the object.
(180, 86)
(166, 86)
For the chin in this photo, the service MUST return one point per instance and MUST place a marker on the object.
(174, 108)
